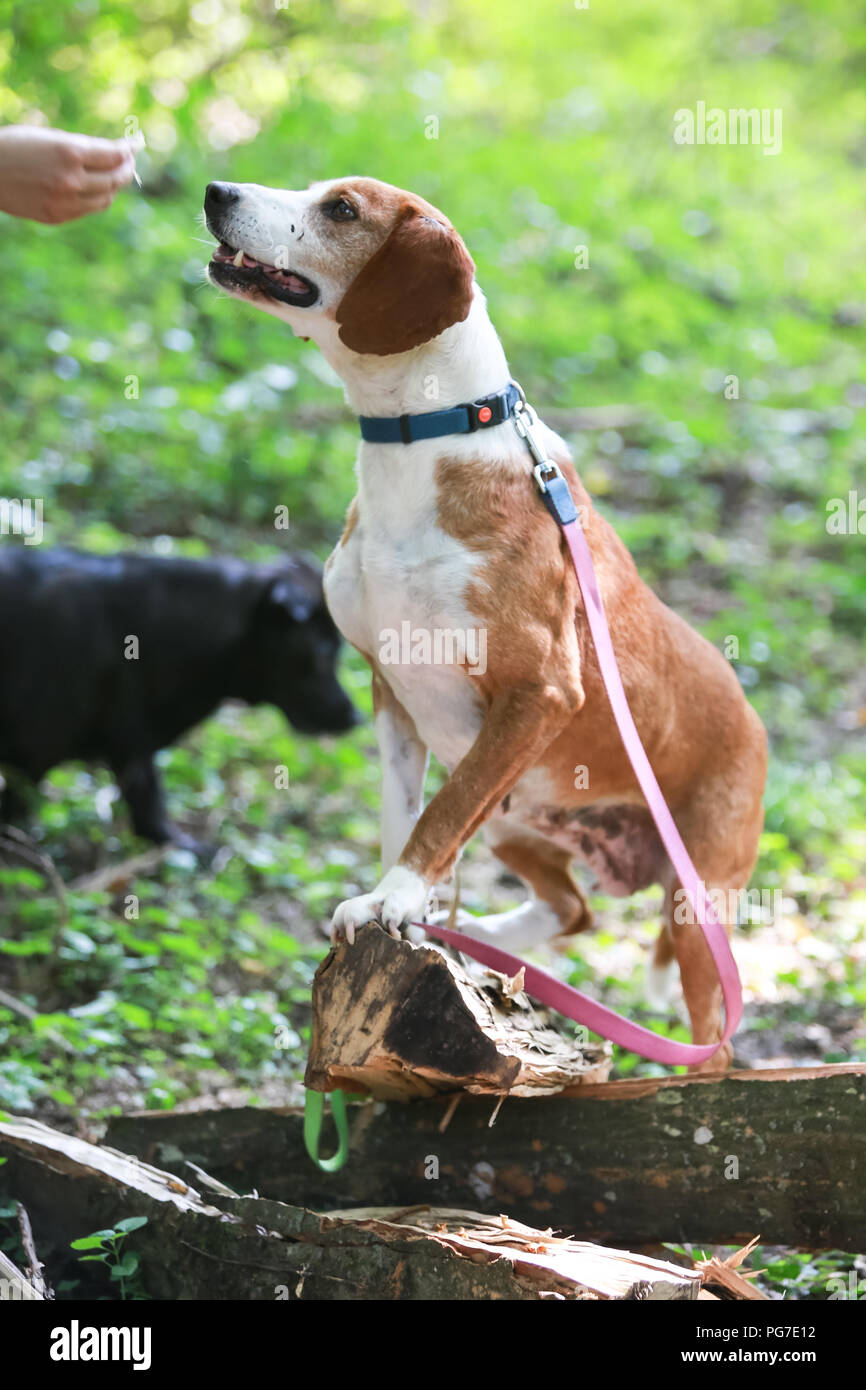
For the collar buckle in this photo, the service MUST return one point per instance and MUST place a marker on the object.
(487, 411)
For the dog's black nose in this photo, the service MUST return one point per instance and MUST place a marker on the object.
(219, 196)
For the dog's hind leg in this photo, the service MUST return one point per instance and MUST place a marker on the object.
(700, 981)
(724, 849)
(702, 990)
(557, 907)
(661, 974)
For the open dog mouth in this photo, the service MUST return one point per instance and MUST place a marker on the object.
(236, 269)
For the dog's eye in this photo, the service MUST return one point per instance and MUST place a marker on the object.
(340, 210)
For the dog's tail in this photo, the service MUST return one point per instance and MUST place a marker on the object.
(660, 975)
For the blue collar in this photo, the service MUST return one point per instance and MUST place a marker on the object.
(460, 419)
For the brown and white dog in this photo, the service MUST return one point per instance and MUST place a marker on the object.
(450, 534)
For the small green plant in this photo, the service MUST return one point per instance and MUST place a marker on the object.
(108, 1250)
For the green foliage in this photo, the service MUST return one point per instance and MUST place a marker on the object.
(108, 1248)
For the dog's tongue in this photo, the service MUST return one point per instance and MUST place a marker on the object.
(285, 278)
(293, 282)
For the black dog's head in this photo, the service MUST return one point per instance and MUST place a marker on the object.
(290, 653)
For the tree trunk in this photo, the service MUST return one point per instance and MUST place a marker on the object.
(779, 1153)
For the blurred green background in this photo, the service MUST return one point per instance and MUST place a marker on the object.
(553, 130)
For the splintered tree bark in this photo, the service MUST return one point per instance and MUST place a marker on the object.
(246, 1248)
(780, 1153)
(14, 1285)
(399, 1021)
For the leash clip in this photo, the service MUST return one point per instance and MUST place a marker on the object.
(545, 472)
(525, 422)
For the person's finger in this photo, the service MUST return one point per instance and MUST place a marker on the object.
(99, 201)
(82, 207)
(97, 153)
(92, 184)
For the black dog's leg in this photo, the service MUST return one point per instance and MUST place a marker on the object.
(141, 789)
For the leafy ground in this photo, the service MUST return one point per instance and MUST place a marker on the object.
(149, 413)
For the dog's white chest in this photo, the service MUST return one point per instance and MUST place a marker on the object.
(396, 590)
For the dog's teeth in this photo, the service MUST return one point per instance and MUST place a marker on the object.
(239, 259)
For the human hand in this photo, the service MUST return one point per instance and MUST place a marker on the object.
(55, 176)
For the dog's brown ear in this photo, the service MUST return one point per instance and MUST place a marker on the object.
(417, 285)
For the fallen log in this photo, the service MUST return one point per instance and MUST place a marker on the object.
(779, 1152)
(248, 1248)
(398, 1020)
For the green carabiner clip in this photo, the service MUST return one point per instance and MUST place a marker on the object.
(314, 1106)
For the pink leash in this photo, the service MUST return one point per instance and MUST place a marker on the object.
(541, 985)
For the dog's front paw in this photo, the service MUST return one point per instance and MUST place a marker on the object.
(354, 912)
(401, 896)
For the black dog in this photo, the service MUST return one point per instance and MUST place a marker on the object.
(112, 657)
